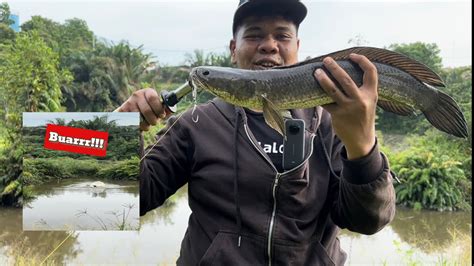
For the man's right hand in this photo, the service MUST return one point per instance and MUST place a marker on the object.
(148, 103)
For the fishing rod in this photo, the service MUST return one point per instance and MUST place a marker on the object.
(170, 98)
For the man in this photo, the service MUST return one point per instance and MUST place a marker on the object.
(247, 210)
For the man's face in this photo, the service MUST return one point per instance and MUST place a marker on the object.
(263, 43)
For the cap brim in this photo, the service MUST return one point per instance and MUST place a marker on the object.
(295, 10)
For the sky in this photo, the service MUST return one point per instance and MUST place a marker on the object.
(171, 29)
(41, 119)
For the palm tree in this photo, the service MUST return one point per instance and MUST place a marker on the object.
(106, 77)
(58, 121)
(97, 123)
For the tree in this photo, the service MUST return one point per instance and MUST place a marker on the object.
(459, 85)
(49, 30)
(93, 83)
(358, 40)
(6, 34)
(30, 81)
(75, 34)
(199, 58)
(97, 123)
(131, 62)
(105, 78)
(5, 14)
(104, 75)
(31, 73)
(65, 39)
(426, 53)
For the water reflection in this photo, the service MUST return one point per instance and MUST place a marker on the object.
(19, 245)
(164, 214)
(75, 205)
(161, 232)
(430, 231)
(101, 194)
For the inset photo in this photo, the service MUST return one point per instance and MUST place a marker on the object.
(80, 171)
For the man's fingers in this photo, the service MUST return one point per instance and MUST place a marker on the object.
(127, 106)
(148, 103)
(370, 71)
(145, 109)
(144, 126)
(139, 99)
(341, 76)
(154, 101)
(328, 85)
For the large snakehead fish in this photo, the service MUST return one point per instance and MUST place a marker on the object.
(406, 86)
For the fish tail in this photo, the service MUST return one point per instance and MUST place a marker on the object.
(446, 116)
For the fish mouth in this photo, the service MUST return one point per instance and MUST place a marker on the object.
(264, 64)
(197, 81)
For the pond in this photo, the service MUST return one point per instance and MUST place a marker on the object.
(79, 204)
(421, 237)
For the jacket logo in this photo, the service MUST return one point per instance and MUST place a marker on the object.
(272, 148)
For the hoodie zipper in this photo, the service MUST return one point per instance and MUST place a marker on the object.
(272, 220)
(275, 186)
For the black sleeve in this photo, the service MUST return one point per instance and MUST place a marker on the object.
(165, 166)
(363, 196)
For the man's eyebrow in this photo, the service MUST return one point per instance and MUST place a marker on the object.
(253, 28)
(283, 28)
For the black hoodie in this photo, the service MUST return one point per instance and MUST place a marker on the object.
(243, 211)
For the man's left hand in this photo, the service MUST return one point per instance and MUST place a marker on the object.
(353, 113)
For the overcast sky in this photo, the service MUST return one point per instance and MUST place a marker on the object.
(170, 29)
(41, 119)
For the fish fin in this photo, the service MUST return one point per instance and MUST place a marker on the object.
(396, 108)
(418, 70)
(272, 117)
(447, 116)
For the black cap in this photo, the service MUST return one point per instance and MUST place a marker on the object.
(291, 9)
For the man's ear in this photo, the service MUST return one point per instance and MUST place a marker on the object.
(232, 51)
(298, 44)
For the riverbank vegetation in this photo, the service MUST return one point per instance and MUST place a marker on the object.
(51, 66)
(41, 170)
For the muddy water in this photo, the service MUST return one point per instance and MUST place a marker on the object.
(74, 204)
(422, 236)
(425, 237)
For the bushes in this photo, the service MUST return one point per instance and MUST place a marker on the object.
(126, 169)
(39, 170)
(434, 173)
(428, 180)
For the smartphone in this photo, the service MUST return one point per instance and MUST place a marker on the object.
(293, 146)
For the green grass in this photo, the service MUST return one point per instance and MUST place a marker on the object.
(123, 169)
(40, 170)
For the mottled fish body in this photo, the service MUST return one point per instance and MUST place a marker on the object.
(405, 86)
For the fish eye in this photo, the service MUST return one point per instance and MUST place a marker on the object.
(205, 73)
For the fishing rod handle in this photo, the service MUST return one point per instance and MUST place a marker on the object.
(169, 100)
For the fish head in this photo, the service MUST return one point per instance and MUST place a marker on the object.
(230, 84)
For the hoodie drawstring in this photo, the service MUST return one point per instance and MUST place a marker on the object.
(236, 177)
